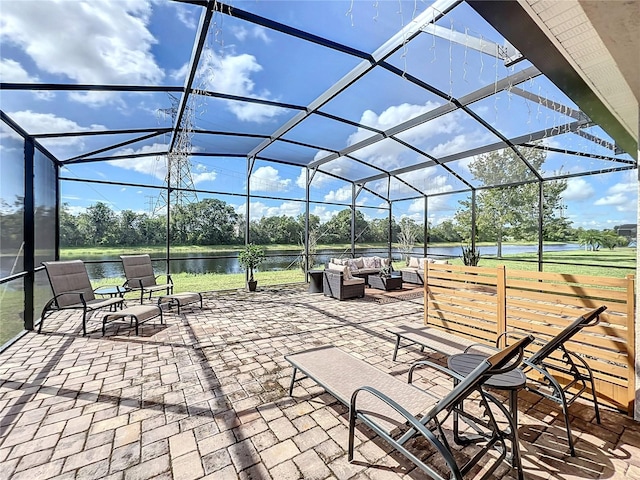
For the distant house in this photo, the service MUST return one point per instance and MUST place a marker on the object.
(628, 230)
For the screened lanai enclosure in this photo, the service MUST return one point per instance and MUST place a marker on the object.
(186, 129)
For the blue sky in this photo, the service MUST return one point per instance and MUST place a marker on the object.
(150, 43)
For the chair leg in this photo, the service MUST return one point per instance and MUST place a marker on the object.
(84, 323)
(395, 351)
(293, 381)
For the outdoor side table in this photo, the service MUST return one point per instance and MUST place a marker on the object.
(513, 381)
(113, 291)
(315, 281)
(385, 283)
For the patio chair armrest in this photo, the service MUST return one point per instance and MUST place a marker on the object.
(169, 279)
(481, 345)
(508, 334)
(427, 363)
(131, 283)
(80, 295)
(416, 424)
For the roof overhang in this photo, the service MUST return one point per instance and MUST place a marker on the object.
(589, 49)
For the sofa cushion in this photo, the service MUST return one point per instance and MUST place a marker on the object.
(360, 262)
(368, 262)
(352, 264)
(414, 262)
(346, 273)
(353, 281)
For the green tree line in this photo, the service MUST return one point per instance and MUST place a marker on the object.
(510, 213)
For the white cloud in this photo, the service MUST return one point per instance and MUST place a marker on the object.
(242, 33)
(622, 196)
(267, 179)
(186, 16)
(33, 122)
(578, 189)
(620, 201)
(156, 166)
(323, 213)
(94, 42)
(259, 209)
(228, 73)
(180, 74)
(342, 194)
(12, 71)
(386, 154)
(417, 206)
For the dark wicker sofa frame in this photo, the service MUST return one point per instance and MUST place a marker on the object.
(333, 286)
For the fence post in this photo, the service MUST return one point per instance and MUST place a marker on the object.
(501, 313)
(631, 344)
(426, 293)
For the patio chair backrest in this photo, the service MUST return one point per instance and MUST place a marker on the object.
(588, 320)
(503, 361)
(69, 276)
(138, 267)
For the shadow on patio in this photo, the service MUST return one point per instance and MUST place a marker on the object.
(206, 395)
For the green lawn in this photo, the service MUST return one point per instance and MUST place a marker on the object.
(598, 263)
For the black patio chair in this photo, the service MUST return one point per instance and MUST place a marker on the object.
(72, 290)
(555, 357)
(398, 411)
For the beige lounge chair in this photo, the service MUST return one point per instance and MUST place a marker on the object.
(139, 273)
(72, 290)
(399, 411)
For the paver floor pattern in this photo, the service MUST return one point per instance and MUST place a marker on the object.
(205, 396)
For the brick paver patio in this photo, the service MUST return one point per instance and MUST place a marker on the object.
(205, 396)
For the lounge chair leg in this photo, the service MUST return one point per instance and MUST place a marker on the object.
(595, 399)
(395, 352)
(565, 411)
(84, 323)
(293, 380)
(352, 433)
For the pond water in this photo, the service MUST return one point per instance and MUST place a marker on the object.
(200, 263)
(106, 266)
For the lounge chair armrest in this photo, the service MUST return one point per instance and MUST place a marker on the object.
(509, 334)
(133, 283)
(478, 346)
(427, 363)
(80, 295)
(169, 280)
(415, 423)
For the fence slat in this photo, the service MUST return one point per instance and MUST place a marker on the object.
(481, 303)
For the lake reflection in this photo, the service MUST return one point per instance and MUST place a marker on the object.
(200, 263)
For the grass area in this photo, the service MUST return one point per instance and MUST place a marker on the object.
(579, 262)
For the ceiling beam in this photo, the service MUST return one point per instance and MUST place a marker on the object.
(512, 21)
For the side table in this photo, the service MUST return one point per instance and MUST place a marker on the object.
(513, 381)
(385, 283)
(112, 291)
(315, 281)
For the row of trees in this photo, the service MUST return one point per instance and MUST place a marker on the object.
(502, 214)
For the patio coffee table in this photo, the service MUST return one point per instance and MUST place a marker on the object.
(385, 283)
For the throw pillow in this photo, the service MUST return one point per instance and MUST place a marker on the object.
(369, 262)
(413, 262)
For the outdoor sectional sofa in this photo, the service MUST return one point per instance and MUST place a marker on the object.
(414, 271)
(338, 283)
(360, 267)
